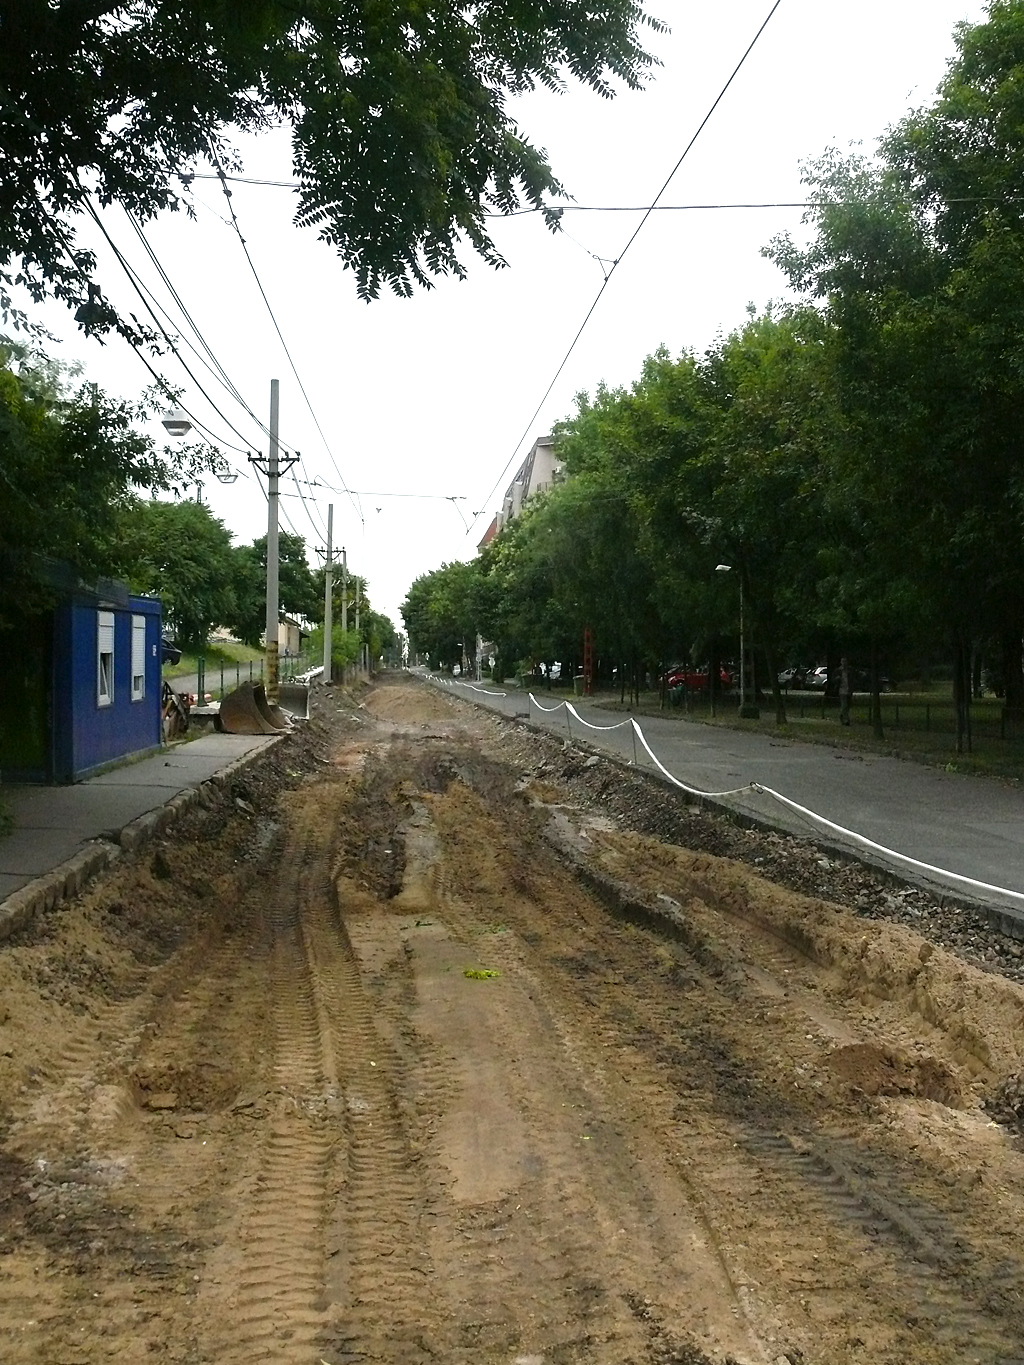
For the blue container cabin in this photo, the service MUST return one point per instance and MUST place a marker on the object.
(83, 687)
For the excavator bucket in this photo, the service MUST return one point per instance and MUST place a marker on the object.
(293, 700)
(244, 712)
(268, 711)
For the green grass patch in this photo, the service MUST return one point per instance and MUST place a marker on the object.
(215, 655)
(919, 726)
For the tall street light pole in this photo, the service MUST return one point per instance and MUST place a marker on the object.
(745, 712)
(328, 590)
(273, 473)
(272, 468)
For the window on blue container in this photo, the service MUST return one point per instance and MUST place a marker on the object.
(138, 658)
(104, 658)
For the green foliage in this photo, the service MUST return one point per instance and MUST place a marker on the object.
(298, 594)
(71, 462)
(857, 461)
(376, 631)
(402, 139)
(440, 614)
(344, 646)
(182, 553)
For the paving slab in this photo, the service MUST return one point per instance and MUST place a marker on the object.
(184, 766)
(28, 853)
(51, 824)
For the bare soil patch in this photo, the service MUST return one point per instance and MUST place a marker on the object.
(446, 1044)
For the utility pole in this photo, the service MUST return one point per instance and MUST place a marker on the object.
(359, 640)
(328, 588)
(344, 590)
(271, 467)
(272, 548)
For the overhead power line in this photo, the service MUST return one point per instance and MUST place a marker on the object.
(618, 259)
(161, 328)
(631, 208)
(213, 364)
(365, 493)
(280, 335)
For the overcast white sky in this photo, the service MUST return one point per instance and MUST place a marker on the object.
(431, 395)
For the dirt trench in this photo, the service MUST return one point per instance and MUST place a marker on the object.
(427, 1060)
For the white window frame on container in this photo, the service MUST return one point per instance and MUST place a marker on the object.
(138, 658)
(104, 658)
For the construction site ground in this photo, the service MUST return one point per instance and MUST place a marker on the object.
(435, 1039)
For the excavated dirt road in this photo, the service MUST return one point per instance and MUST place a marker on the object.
(427, 1052)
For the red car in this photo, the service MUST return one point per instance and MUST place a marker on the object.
(694, 679)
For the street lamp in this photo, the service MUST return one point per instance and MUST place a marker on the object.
(176, 423)
(745, 713)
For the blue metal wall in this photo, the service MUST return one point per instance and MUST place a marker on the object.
(102, 734)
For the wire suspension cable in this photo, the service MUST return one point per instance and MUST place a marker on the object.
(618, 260)
(217, 368)
(160, 327)
(277, 329)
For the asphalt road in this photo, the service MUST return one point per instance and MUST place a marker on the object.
(967, 827)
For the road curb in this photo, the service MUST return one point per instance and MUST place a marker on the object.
(70, 878)
(1002, 919)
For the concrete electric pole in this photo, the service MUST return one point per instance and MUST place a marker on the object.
(344, 591)
(272, 468)
(328, 589)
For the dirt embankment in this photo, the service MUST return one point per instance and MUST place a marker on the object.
(446, 1045)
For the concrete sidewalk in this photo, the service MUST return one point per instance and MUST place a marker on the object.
(969, 827)
(80, 827)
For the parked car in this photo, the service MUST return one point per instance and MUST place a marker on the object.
(861, 680)
(169, 651)
(794, 677)
(695, 679)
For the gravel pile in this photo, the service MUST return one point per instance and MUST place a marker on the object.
(1006, 1103)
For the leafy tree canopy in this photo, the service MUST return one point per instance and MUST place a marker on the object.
(71, 461)
(402, 139)
(182, 553)
(297, 588)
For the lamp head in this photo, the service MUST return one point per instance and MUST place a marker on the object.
(176, 423)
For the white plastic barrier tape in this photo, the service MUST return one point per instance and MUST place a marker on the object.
(694, 791)
(457, 682)
(557, 706)
(890, 852)
(618, 726)
(758, 789)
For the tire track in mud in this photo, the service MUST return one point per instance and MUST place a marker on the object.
(973, 1310)
(820, 1175)
(853, 1236)
(272, 1273)
(107, 1186)
(381, 1270)
(538, 1271)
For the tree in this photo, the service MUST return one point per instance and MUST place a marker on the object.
(71, 460)
(376, 631)
(182, 553)
(440, 616)
(402, 139)
(918, 259)
(297, 587)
